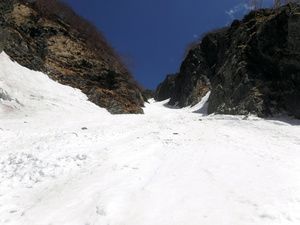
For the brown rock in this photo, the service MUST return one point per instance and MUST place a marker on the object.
(70, 50)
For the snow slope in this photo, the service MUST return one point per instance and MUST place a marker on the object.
(64, 161)
(23, 91)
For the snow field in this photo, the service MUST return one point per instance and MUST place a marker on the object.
(64, 161)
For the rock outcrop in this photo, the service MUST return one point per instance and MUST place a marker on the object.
(47, 36)
(253, 66)
(148, 94)
(165, 89)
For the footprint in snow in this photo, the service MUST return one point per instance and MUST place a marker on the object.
(100, 211)
(267, 216)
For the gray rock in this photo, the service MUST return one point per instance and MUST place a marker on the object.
(165, 89)
(253, 66)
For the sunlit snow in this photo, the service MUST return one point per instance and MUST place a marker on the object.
(65, 161)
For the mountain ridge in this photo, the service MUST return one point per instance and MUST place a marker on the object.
(252, 66)
(62, 44)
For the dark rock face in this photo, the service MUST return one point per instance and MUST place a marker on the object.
(251, 67)
(50, 44)
(148, 94)
(165, 89)
(193, 80)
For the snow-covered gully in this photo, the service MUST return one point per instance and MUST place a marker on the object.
(64, 161)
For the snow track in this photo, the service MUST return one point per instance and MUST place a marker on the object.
(68, 162)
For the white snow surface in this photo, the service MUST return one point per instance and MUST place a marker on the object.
(65, 161)
(29, 92)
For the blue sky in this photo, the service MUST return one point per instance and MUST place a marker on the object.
(153, 34)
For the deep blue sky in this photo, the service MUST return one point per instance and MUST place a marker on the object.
(154, 34)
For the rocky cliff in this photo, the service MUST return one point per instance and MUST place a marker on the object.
(46, 35)
(253, 66)
(165, 89)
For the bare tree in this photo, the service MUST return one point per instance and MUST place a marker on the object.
(277, 3)
(294, 1)
(255, 4)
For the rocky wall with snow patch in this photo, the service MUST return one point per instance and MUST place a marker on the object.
(70, 50)
(253, 66)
